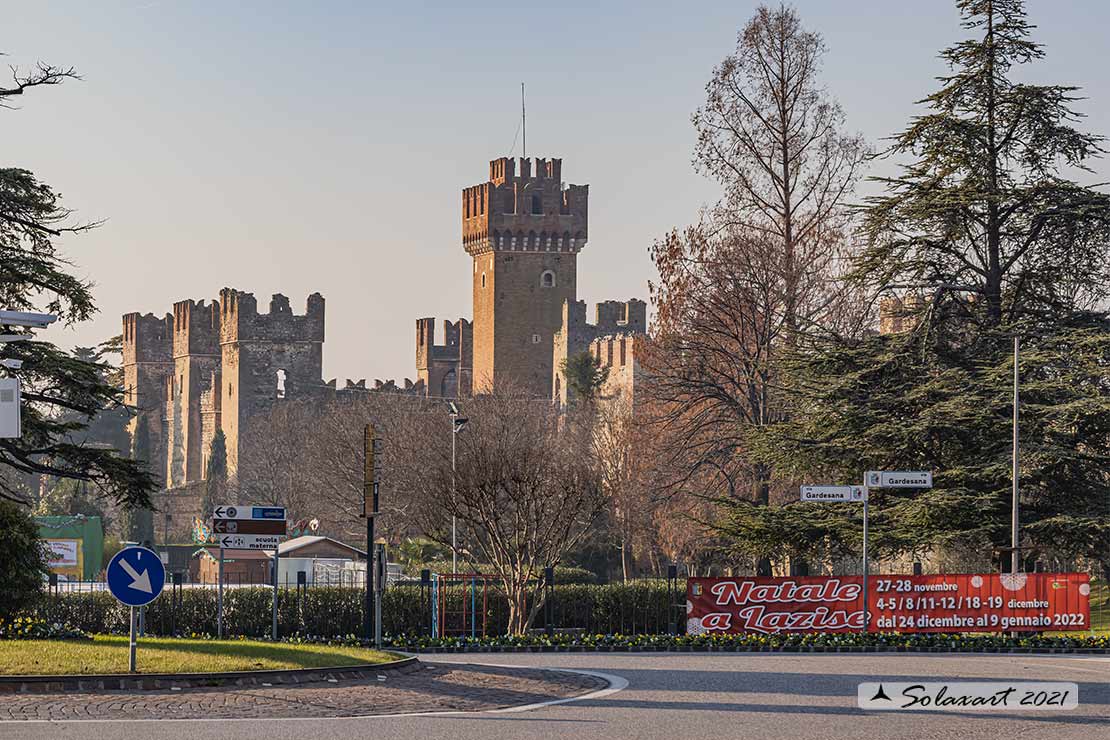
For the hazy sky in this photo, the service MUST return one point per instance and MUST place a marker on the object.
(322, 146)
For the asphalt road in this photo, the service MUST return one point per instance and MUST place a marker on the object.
(693, 696)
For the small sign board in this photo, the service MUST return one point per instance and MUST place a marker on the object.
(249, 526)
(834, 493)
(899, 478)
(249, 512)
(249, 541)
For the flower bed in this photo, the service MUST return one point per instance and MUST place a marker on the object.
(851, 642)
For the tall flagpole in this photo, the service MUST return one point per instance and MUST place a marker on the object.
(523, 123)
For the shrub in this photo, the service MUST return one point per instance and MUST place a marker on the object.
(23, 565)
(334, 611)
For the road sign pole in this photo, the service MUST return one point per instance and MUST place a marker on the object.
(866, 567)
(220, 597)
(274, 626)
(131, 651)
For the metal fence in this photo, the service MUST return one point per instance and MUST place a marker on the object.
(334, 606)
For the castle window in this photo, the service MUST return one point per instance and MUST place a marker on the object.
(483, 279)
(281, 384)
(535, 339)
(537, 205)
(229, 390)
(547, 279)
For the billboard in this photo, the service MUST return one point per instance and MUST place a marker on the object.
(973, 602)
(64, 556)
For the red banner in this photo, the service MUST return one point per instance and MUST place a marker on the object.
(981, 602)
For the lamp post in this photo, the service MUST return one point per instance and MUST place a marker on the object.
(457, 424)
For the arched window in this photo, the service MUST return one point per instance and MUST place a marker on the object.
(537, 205)
(483, 279)
(450, 386)
(547, 279)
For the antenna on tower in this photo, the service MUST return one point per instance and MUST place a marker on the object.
(523, 124)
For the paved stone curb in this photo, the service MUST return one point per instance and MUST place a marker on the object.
(155, 681)
(752, 649)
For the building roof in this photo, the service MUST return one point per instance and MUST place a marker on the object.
(214, 553)
(290, 546)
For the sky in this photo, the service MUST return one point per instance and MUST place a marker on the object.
(322, 146)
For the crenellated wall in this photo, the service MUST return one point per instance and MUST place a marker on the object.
(620, 322)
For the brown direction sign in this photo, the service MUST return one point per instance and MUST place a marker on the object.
(248, 526)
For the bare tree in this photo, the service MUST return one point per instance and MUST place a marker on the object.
(526, 491)
(774, 140)
(758, 268)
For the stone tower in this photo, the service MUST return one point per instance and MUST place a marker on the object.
(147, 367)
(196, 362)
(524, 231)
(265, 358)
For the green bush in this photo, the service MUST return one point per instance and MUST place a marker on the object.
(335, 611)
(23, 564)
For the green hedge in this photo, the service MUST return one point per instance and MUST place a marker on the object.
(334, 611)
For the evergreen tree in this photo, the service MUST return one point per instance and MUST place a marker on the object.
(215, 477)
(982, 216)
(984, 223)
(585, 375)
(137, 523)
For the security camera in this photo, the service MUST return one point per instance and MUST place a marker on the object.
(454, 407)
(24, 318)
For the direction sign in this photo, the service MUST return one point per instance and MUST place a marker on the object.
(899, 478)
(136, 576)
(248, 526)
(249, 541)
(834, 493)
(249, 512)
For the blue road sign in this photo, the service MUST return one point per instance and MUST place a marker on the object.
(268, 512)
(136, 576)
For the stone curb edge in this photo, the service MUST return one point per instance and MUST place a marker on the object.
(150, 681)
(820, 649)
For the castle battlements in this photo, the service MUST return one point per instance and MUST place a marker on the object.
(612, 338)
(444, 369)
(240, 320)
(147, 338)
(525, 212)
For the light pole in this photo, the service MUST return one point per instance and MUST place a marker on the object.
(457, 424)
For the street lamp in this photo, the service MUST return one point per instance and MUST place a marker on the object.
(458, 423)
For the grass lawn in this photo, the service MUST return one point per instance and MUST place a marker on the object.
(108, 654)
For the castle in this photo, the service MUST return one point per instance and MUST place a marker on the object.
(524, 231)
(216, 365)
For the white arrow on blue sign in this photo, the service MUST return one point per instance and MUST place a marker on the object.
(136, 576)
(249, 512)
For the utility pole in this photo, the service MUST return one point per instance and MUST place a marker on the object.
(371, 477)
(1015, 514)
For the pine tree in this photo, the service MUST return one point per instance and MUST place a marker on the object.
(215, 476)
(982, 216)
